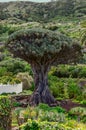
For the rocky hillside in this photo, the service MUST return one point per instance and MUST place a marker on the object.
(30, 11)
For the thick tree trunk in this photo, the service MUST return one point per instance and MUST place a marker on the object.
(41, 93)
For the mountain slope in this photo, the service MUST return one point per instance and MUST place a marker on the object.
(30, 11)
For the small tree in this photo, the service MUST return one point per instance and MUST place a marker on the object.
(42, 49)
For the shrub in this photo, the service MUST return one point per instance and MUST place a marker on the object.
(67, 71)
(30, 125)
(82, 73)
(78, 112)
(45, 107)
(43, 113)
(51, 116)
(83, 102)
(73, 90)
(16, 115)
(26, 80)
(56, 86)
(15, 66)
(38, 125)
(3, 28)
(45, 125)
(28, 113)
(84, 119)
(9, 79)
(3, 71)
(5, 113)
(52, 27)
(12, 30)
(16, 104)
(59, 109)
(66, 88)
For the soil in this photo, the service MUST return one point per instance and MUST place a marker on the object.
(67, 104)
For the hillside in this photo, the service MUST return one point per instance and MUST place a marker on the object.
(30, 11)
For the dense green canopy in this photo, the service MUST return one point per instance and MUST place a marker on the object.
(43, 45)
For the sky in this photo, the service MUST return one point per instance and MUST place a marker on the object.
(25, 0)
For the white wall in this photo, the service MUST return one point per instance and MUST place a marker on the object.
(8, 88)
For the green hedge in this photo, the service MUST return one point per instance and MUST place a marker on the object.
(67, 88)
(66, 71)
(14, 66)
(5, 113)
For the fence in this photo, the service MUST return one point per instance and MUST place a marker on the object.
(8, 88)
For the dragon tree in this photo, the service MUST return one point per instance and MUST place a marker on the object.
(42, 48)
